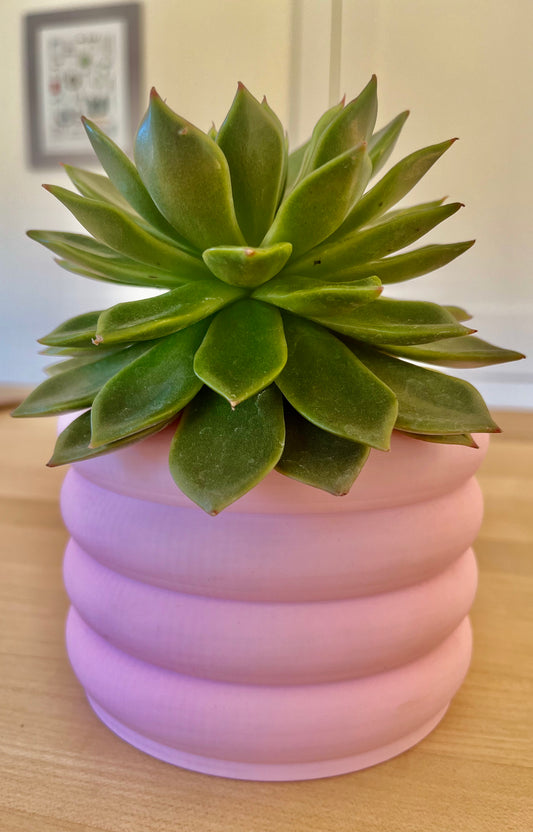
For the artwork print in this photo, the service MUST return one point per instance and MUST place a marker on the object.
(81, 62)
(82, 73)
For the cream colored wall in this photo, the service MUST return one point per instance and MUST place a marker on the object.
(195, 52)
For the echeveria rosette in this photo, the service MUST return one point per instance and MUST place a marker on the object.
(270, 344)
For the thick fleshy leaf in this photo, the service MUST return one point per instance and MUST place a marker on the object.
(312, 298)
(458, 313)
(79, 361)
(138, 320)
(219, 453)
(119, 231)
(317, 206)
(294, 165)
(330, 387)
(81, 242)
(464, 352)
(72, 444)
(429, 402)
(405, 213)
(244, 266)
(372, 243)
(125, 177)
(187, 176)
(393, 186)
(382, 143)
(406, 266)
(76, 388)
(390, 321)
(152, 389)
(76, 332)
(116, 274)
(354, 124)
(114, 269)
(79, 352)
(244, 350)
(319, 458)
(444, 439)
(253, 143)
(96, 186)
(306, 154)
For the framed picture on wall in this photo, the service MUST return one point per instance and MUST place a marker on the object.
(82, 61)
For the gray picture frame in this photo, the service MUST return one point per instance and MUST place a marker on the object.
(46, 146)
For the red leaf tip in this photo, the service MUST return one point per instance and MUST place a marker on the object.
(154, 93)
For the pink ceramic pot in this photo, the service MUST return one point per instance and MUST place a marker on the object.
(296, 635)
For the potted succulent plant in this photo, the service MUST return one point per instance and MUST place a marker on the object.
(297, 634)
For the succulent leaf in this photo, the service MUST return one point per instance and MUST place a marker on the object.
(81, 242)
(76, 388)
(319, 458)
(187, 176)
(354, 124)
(467, 351)
(318, 205)
(79, 361)
(389, 321)
(116, 229)
(219, 453)
(382, 143)
(138, 320)
(244, 266)
(72, 444)
(313, 298)
(301, 161)
(465, 439)
(253, 143)
(150, 390)
(393, 186)
(294, 165)
(406, 266)
(114, 269)
(76, 332)
(367, 244)
(325, 382)
(116, 274)
(125, 178)
(428, 401)
(458, 313)
(244, 350)
(96, 186)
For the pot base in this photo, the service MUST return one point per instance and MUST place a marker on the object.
(263, 771)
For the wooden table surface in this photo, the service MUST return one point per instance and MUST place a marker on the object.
(62, 771)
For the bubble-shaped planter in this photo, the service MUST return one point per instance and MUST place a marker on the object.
(296, 635)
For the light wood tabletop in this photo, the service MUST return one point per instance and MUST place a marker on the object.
(63, 771)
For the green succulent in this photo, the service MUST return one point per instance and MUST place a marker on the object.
(270, 345)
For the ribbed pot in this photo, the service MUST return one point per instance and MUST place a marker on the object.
(296, 635)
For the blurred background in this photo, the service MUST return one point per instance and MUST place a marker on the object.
(463, 69)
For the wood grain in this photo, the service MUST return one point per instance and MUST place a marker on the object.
(62, 771)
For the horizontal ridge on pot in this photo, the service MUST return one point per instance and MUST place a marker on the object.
(270, 643)
(245, 556)
(259, 724)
